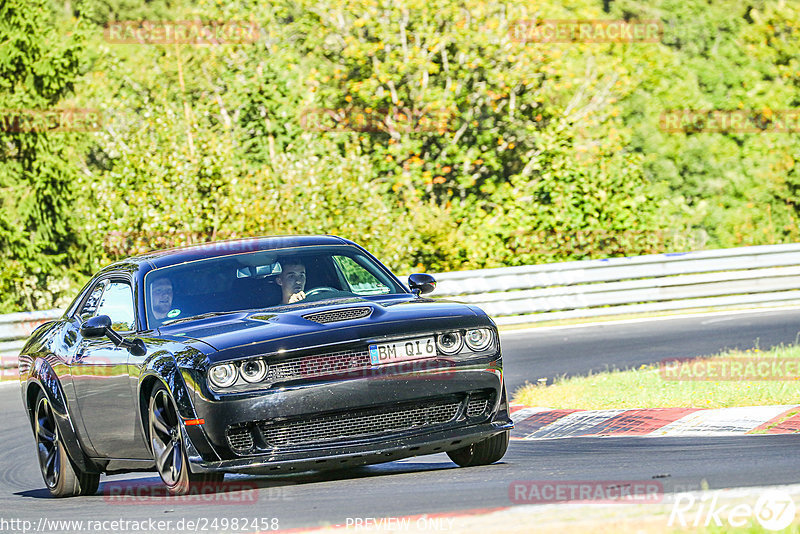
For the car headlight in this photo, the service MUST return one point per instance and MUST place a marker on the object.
(479, 339)
(253, 370)
(449, 343)
(223, 375)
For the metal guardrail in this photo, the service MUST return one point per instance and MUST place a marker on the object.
(14, 329)
(747, 276)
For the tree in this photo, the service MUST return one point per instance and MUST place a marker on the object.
(39, 67)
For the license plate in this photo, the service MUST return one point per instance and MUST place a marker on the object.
(398, 351)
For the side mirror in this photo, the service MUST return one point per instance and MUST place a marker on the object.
(421, 283)
(96, 326)
(100, 326)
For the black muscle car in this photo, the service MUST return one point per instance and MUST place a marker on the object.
(264, 355)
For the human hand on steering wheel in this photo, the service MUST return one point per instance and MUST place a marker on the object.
(295, 297)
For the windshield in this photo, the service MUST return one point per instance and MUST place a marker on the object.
(262, 279)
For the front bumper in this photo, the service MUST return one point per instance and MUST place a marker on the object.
(344, 456)
(320, 424)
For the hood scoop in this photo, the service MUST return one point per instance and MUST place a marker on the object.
(342, 314)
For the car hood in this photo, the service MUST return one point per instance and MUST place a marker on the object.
(273, 330)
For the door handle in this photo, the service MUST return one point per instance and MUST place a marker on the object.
(79, 355)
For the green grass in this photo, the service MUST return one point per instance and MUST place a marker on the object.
(646, 388)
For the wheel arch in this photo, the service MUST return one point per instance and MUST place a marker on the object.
(163, 369)
(31, 394)
(45, 380)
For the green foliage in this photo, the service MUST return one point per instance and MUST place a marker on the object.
(734, 188)
(39, 67)
(422, 130)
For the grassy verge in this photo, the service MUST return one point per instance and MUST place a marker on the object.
(647, 386)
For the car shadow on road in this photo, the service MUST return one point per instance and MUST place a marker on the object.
(239, 488)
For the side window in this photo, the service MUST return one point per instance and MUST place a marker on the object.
(117, 303)
(90, 306)
(361, 281)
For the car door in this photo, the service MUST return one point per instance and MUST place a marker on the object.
(100, 374)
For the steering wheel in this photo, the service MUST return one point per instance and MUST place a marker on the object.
(317, 290)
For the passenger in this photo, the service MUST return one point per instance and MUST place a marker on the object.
(161, 297)
(292, 281)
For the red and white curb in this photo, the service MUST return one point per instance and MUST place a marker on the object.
(546, 423)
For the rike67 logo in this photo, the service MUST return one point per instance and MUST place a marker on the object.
(774, 510)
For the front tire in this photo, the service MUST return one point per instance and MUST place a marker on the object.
(484, 452)
(167, 446)
(61, 476)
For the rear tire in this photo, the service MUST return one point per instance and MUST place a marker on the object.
(166, 444)
(484, 452)
(62, 477)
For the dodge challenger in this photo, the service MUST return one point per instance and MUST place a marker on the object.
(265, 356)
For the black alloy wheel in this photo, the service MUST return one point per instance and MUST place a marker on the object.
(168, 451)
(61, 476)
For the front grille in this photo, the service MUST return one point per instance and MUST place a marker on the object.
(477, 407)
(345, 426)
(240, 438)
(343, 314)
(319, 365)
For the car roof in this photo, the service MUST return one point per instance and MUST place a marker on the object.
(174, 256)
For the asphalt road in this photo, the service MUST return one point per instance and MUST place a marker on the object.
(433, 484)
(549, 353)
(415, 486)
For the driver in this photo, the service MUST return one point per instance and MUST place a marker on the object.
(292, 281)
(161, 297)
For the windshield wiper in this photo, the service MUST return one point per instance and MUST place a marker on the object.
(198, 317)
